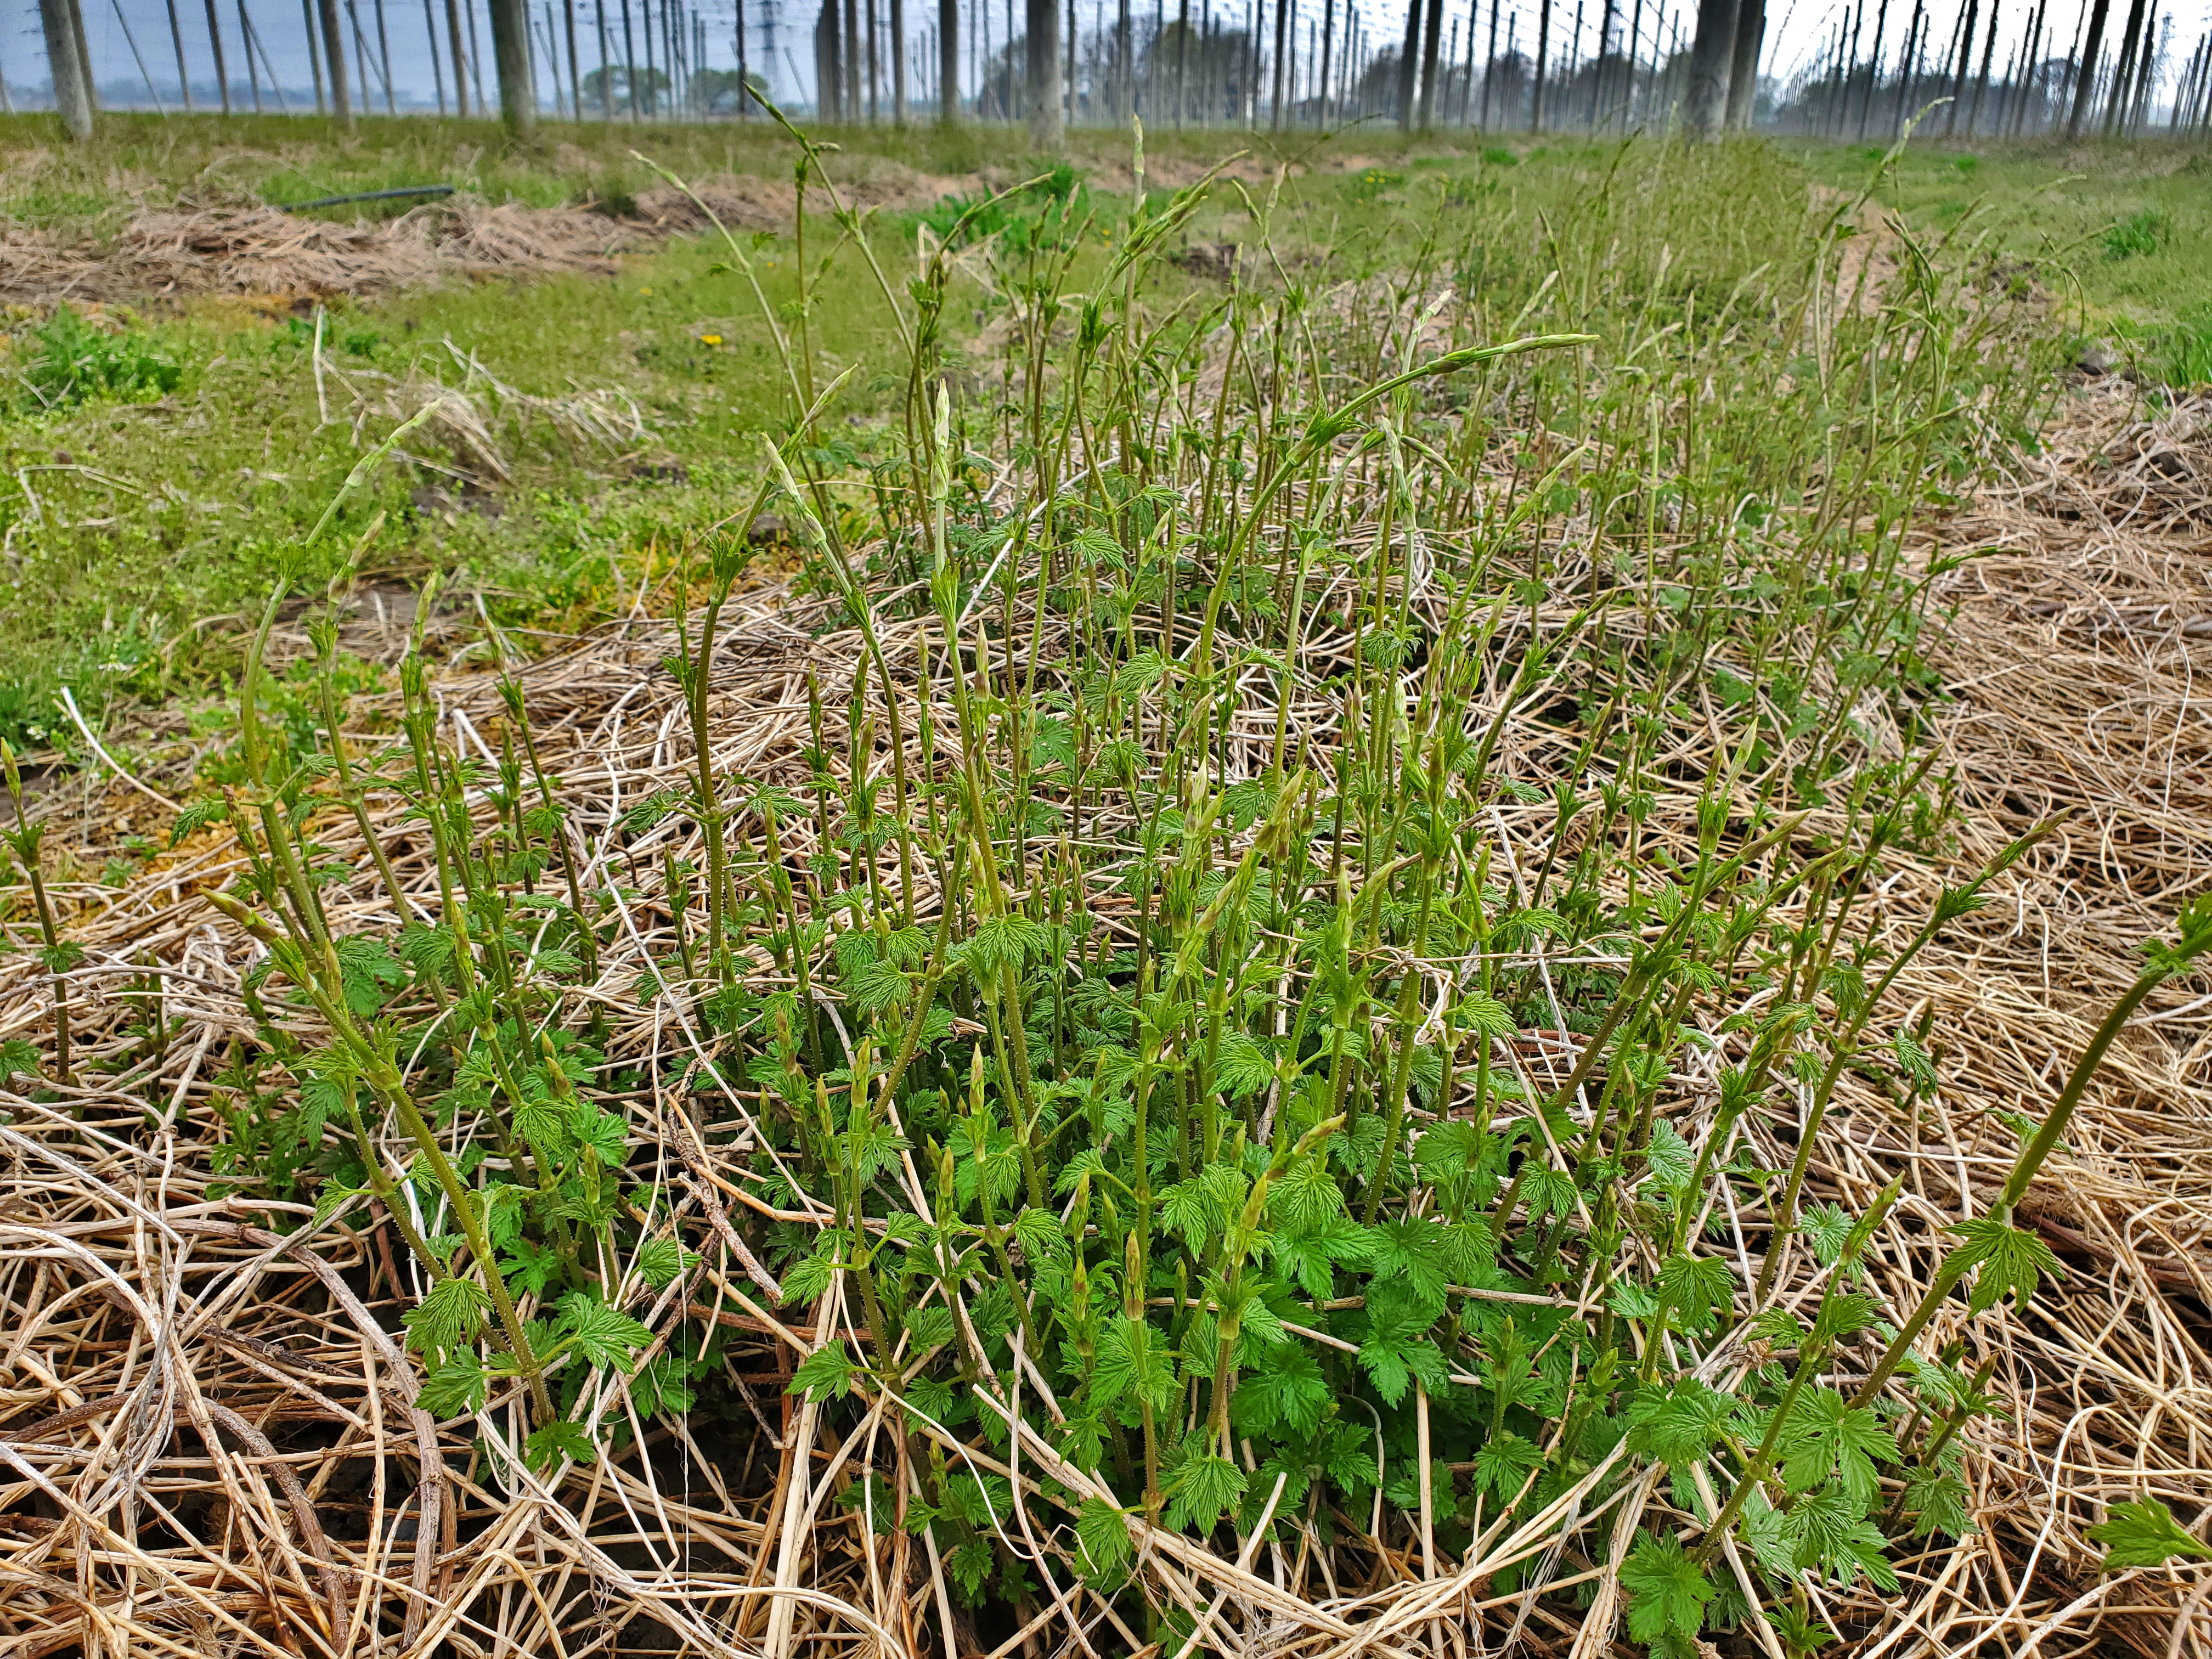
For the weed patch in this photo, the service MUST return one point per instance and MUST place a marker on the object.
(2138, 235)
(69, 358)
(2189, 357)
(1047, 212)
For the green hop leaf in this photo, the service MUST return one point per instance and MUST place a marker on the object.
(1693, 1286)
(605, 1336)
(1133, 1359)
(2010, 1258)
(605, 1133)
(1827, 1436)
(1105, 1536)
(1937, 1498)
(827, 1373)
(1671, 1160)
(455, 1387)
(660, 1260)
(449, 1317)
(1480, 1012)
(1199, 1489)
(1285, 1387)
(2142, 1532)
(530, 1267)
(1677, 1424)
(1503, 1463)
(1668, 1590)
(1246, 1066)
(560, 1438)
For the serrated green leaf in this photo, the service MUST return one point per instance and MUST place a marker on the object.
(530, 1268)
(1396, 1352)
(1692, 1286)
(809, 1278)
(662, 1386)
(1284, 1389)
(876, 987)
(197, 817)
(1502, 1462)
(1936, 1499)
(1188, 1209)
(1631, 1301)
(2010, 1259)
(1306, 1198)
(449, 1317)
(825, 1374)
(1001, 942)
(1104, 1534)
(1915, 1061)
(1199, 1492)
(1668, 1590)
(1041, 1237)
(605, 1336)
(369, 971)
(1829, 1531)
(660, 1261)
(604, 1133)
(1826, 1437)
(2142, 1532)
(454, 1388)
(1410, 1253)
(1828, 1225)
(1766, 1531)
(1484, 1015)
(1246, 1066)
(1669, 1157)
(1133, 1360)
(1678, 1423)
(560, 1438)
(929, 1327)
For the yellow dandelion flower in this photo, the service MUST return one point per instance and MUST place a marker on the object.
(710, 339)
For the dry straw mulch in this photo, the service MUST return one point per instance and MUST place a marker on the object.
(170, 253)
(209, 1433)
(2081, 634)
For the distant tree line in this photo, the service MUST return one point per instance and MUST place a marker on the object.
(1233, 62)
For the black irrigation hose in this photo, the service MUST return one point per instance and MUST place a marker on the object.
(369, 195)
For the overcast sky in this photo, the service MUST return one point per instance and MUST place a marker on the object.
(1797, 32)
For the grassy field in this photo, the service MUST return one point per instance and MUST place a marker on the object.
(1365, 903)
(2122, 233)
(152, 480)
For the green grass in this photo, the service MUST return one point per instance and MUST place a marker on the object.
(2120, 234)
(2144, 231)
(151, 518)
(135, 529)
(188, 160)
(119, 576)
